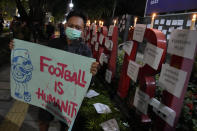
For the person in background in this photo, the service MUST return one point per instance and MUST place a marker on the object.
(61, 29)
(15, 28)
(73, 42)
(50, 30)
(13, 24)
(35, 31)
(20, 29)
(25, 31)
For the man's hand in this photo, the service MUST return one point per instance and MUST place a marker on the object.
(94, 68)
(11, 45)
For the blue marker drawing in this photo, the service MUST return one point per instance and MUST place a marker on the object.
(22, 73)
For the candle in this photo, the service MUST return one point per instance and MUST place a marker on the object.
(193, 22)
(102, 23)
(99, 23)
(88, 23)
(152, 21)
(114, 22)
(135, 21)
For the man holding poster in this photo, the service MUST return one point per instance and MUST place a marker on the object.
(62, 78)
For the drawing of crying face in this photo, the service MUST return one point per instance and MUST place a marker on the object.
(22, 69)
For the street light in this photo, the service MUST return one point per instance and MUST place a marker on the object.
(71, 5)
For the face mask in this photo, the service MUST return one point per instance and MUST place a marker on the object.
(72, 33)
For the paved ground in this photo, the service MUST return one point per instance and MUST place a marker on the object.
(15, 115)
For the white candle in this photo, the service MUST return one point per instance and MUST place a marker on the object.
(114, 22)
(152, 21)
(102, 24)
(193, 22)
(135, 21)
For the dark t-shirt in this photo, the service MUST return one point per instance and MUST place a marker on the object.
(76, 47)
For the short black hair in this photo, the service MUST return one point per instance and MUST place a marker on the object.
(79, 14)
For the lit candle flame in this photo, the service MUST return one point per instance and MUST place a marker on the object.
(135, 21)
(115, 22)
(193, 22)
(194, 17)
(102, 23)
(153, 16)
(88, 23)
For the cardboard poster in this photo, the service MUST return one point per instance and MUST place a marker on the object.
(52, 79)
